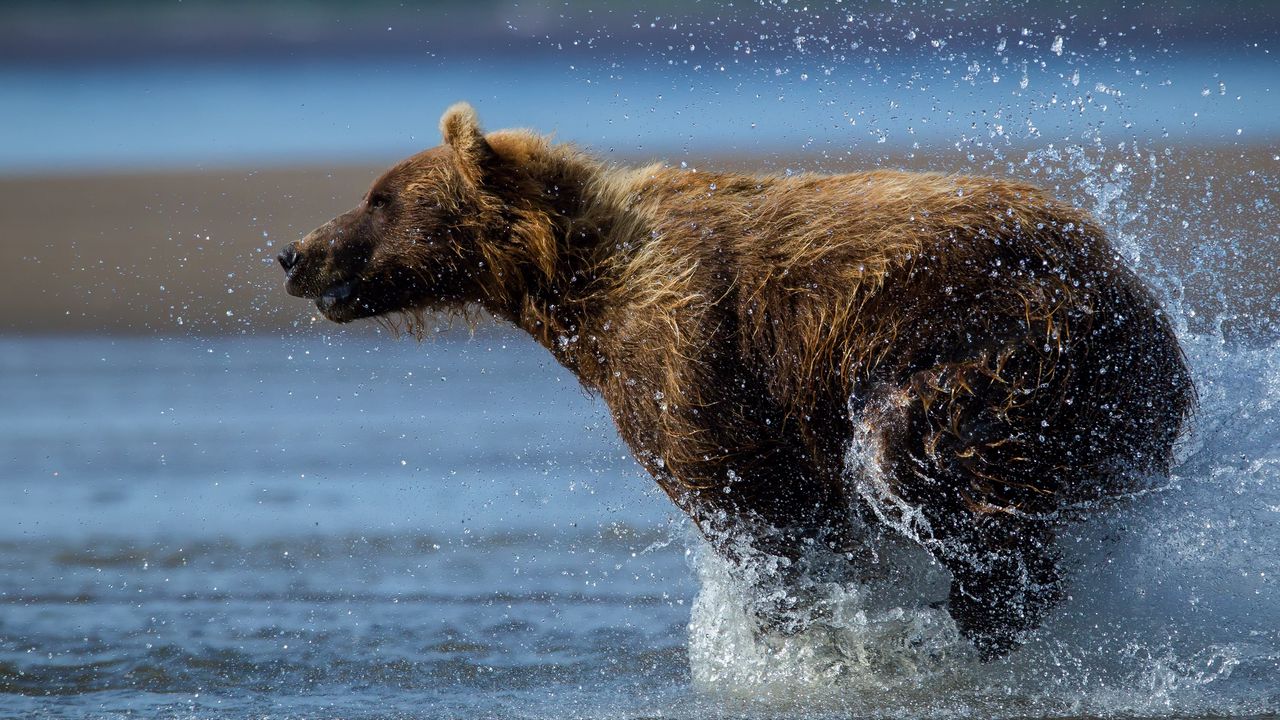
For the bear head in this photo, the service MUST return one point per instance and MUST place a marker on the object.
(430, 234)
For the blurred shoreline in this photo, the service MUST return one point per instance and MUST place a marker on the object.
(192, 252)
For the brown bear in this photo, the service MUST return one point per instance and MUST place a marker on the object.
(800, 360)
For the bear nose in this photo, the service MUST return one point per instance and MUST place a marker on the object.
(289, 257)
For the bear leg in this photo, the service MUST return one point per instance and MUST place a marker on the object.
(1004, 581)
(923, 465)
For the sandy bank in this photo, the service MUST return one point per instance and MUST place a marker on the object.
(192, 252)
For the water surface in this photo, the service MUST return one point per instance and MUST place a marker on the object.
(362, 527)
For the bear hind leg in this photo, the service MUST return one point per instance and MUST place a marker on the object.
(1004, 565)
(1004, 581)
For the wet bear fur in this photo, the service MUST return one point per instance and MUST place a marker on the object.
(962, 360)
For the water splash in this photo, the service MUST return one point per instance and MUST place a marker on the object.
(1172, 608)
(1173, 603)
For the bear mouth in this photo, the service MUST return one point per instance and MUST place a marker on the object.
(343, 303)
(335, 296)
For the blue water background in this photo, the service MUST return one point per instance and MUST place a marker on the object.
(358, 527)
(130, 115)
(324, 528)
(151, 437)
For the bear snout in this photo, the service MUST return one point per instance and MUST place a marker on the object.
(296, 282)
(289, 257)
(305, 271)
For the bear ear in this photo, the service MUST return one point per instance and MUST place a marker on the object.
(461, 131)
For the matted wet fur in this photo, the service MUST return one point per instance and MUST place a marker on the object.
(964, 360)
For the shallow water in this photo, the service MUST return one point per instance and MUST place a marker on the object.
(361, 527)
(248, 527)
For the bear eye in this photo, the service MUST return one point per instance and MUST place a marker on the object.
(379, 201)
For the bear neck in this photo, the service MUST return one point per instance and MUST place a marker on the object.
(570, 215)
